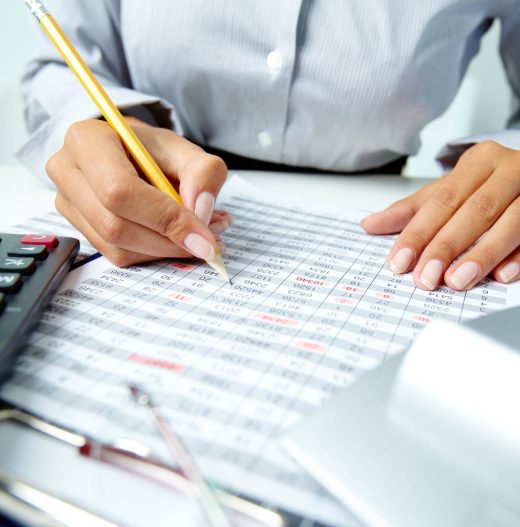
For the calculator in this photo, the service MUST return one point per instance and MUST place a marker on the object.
(32, 267)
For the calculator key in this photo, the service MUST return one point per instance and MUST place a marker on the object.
(39, 252)
(23, 266)
(10, 282)
(2, 303)
(49, 240)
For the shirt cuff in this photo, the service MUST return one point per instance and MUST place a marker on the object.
(449, 155)
(48, 138)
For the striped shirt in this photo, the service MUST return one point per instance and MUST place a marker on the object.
(332, 84)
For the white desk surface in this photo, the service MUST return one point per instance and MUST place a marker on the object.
(97, 487)
(22, 195)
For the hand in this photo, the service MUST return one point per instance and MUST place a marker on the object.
(128, 220)
(478, 202)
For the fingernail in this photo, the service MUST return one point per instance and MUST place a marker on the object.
(204, 206)
(221, 215)
(464, 275)
(199, 246)
(219, 212)
(218, 227)
(401, 261)
(431, 274)
(509, 272)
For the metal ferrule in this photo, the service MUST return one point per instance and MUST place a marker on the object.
(37, 9)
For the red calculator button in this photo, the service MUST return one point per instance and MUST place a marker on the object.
(49, 240)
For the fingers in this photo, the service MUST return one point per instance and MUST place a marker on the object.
(441, 205)
(509, 269)
(115, 231)
(220, 221)
(118, 188)
(502, 240)
(459, 210)
(118, 256)
(478, 214)
(394, 218)
(476, 204)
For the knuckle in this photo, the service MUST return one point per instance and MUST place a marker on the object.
(53, 165)
(414, 239)
(120, 257)
(487, 149)
(447, 248)
(59, 204)
(115, 193)
(213, 166)
(217, 166)
(112, 229)
(485, 206)
(446, 198)
(76, 132)
(173, 224)
(487, 256)
(468, 155)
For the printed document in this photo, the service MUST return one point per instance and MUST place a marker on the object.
(312, 307)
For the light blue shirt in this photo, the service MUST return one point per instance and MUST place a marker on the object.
(333, 84)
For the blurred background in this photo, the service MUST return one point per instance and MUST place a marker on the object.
(481, 105)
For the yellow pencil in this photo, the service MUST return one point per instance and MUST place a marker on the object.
(110, 111)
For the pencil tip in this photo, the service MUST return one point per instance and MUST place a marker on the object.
(134, 391)
(138, 395)
(218, 264)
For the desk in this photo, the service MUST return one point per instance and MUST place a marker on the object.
(22, 195)
(99, 488)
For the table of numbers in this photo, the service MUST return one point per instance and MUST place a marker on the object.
(311, 308)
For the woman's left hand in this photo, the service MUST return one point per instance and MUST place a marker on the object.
(478, 201)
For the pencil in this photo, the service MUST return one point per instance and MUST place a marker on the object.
(110, 112)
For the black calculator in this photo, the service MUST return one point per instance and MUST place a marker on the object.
(32, 267)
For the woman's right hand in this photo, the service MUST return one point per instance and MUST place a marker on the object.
(128, 220)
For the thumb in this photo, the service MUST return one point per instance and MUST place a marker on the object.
(397, 216)
(391, 220)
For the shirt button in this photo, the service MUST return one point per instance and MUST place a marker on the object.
(264, 139)
(275, 60)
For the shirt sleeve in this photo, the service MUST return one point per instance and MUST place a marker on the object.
(54, 98)
(510, 53)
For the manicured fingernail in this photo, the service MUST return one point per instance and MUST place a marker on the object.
(204, 206)
(199, 246)
(464, 275)
(401, 261)
(431, 274)
(509, 272)
(218, 227)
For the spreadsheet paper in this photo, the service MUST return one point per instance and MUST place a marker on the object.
(233, 367)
